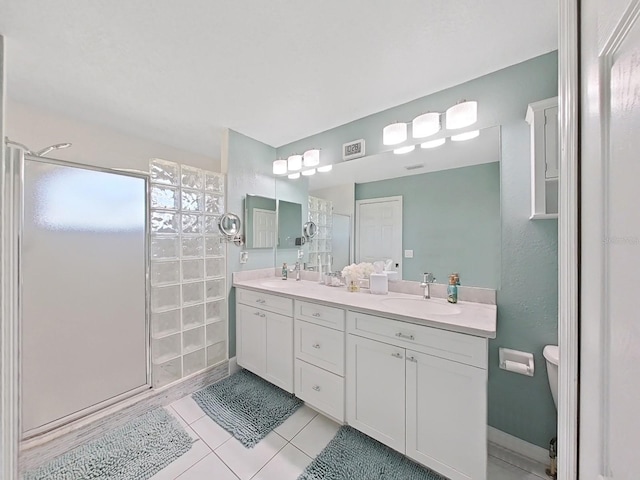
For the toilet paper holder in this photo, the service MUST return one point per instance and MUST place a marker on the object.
(516, 361)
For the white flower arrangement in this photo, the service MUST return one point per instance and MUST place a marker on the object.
(361, 270)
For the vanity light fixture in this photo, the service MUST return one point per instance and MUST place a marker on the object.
(401, 150)
(294, 163)
(279, 167)
(433, 143)
(394, 134)
(308, 173)
(462, 115)
(425, 125)
(294, 176)
(465, 136)
(311, 158)
(325, 169)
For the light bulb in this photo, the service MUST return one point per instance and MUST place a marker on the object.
(325, 169)
(425, 125)
(465, 136)
(394, 134)
(294, 176)
(279, 167)
(307, 173)
(401, 150)
(462, 115)
(433, 143)
(311, 158)
(294, 163)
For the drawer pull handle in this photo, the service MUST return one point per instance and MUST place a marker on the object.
(316, 388)
(412, 359)
(316, 345)
(316, 315)
(407, 337)
(262, 315)
(260, 300)
(397, 355)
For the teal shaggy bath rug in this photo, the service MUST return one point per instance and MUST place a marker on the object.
(352, 455)
(135, 451)
(247, 406)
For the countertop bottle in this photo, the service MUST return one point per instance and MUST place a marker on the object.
(452, 290)
(285, 272)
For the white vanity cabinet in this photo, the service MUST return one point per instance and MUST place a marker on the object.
(421, 391)
(264, 336)
(319, 351)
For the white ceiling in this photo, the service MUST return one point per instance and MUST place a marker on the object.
(278, 70)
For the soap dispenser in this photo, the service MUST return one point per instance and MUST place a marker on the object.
(285, 272)
(452, 289)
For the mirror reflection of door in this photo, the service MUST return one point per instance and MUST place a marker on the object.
(341, 241)
(264, 228)
(379, 230)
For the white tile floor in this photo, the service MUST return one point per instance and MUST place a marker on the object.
(281, 455)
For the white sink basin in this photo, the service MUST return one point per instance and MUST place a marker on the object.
(280, 283)
(425, 306)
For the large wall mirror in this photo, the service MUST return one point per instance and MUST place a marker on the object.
(431, 210)
(261, 222)
(289, 224)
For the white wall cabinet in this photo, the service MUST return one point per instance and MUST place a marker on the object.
(264, 339)
(542, 117)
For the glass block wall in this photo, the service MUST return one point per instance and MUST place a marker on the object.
(321, 213)
(188, 271)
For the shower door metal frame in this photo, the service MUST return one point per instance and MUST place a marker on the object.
(18, 187)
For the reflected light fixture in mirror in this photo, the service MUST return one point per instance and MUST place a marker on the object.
(294, 163)
(465, 136)
(394, 134)
(279, 167)
(401, 150)
(294, 176)
(462, 115)
(425, 125)
(307, 173)
(433, 143)
(311, 158)
(325, 169)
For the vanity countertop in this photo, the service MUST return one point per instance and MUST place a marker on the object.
(465, 317)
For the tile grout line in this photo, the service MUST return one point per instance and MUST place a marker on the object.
(276, 454)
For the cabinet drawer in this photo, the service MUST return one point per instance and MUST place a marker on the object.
(266, 301)
(320, 389)
(320, 315)
(454, 346)
(320, 346)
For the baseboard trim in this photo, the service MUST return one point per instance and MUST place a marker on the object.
(517, 445)
(233, 365)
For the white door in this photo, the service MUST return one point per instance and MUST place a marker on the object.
(264, 228)
(447, 416)
(379, 230)
(610, 240)
(279, 345)
(251, 330)
(376, 390)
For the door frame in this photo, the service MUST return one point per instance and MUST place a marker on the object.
(356, 253)
(568, 238)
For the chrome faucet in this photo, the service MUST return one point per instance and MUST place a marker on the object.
(427, 280)
(297, 270)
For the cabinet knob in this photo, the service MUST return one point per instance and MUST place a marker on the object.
(316, 345)
(405, 336)
(316, 388)
(412, 359)
(315, 315)
(397, 355)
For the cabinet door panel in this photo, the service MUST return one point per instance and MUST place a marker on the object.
(447, 416)
(250, 345)
(279, 351)
(376, 390)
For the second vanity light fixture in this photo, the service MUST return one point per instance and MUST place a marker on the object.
(296, 165)
(461, 115)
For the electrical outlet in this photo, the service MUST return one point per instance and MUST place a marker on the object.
(244, 256)
(408, 254)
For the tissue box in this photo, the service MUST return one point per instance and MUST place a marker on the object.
(379, 283)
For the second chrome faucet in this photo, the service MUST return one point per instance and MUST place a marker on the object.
(427, 280)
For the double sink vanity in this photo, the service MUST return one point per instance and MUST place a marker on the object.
(407, 371)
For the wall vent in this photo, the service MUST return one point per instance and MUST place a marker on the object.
(414, 167)
(353, 150)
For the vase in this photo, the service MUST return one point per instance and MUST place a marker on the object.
(353, 284)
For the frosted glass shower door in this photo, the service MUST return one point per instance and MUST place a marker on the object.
(84, 301)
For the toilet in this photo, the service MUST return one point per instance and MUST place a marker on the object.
(552, 356)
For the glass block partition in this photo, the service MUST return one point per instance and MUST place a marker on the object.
(321, 213)
(188, 271)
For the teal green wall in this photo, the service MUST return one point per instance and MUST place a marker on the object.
(528, 297)
(451, 221)
(289, 223)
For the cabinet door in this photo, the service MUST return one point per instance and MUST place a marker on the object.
(376, 390)
(251, 331)
(447, 416)
(279, 353)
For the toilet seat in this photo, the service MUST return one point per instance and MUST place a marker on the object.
(552, 354)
